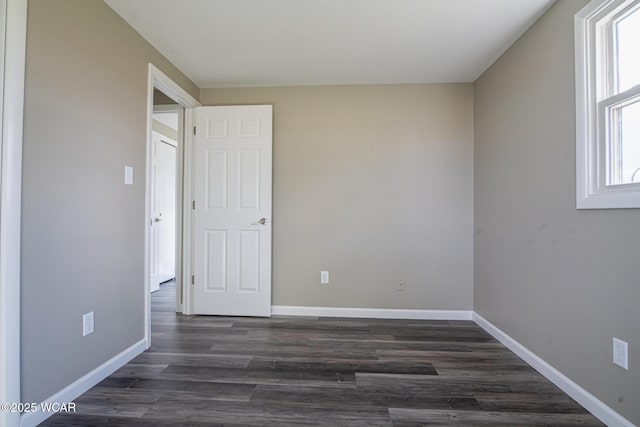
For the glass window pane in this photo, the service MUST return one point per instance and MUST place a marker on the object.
(627, 159)
(628, 42)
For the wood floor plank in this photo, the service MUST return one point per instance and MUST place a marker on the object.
(134, 370)
(360, 397)
(455, 385)
(283, 414)
(257, 376)
(316, 371)
(186, 390)
(84, 420)
(193, 359)
(281, 350)
(311, 334)
(444, 356)
(435, 417)
(393, 344)
(365, 366)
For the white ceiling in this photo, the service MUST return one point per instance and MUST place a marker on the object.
(226, 43)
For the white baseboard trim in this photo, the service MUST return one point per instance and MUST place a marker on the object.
(588, 401)
(376, 313)
(72, 391)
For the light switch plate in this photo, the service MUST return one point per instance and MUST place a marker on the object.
(128, 175)
(324, 277)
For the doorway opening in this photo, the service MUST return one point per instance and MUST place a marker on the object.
(166, 135)
(167, 191)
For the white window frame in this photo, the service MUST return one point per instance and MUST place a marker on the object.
(593, 115)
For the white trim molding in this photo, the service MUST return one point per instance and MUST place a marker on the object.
(588, 401)
(373, 313)
(159, 80)
(591, 83)
(13, 38)
(74, 390)
(187, 211)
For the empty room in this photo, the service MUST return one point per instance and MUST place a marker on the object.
(319, 212)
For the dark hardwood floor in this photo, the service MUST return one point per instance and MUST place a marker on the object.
(293, 371)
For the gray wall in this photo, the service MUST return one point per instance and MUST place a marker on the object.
(159, 98)
(374, 184)
(562, 282)
(82, 228)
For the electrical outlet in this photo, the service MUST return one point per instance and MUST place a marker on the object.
(620, 353)
(87, 323)
(324, 277)
(401, 285)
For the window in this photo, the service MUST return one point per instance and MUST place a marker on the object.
(608, 105)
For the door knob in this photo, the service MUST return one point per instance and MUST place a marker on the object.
(261, 221)
(156, 219)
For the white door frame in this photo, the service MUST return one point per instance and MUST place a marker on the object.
(158, 80)
(13, 26)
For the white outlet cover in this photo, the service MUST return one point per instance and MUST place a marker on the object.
(621, 353)
(87, 324)
(324, 277)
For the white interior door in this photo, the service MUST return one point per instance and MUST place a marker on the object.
(163, 210)
(232, 218)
